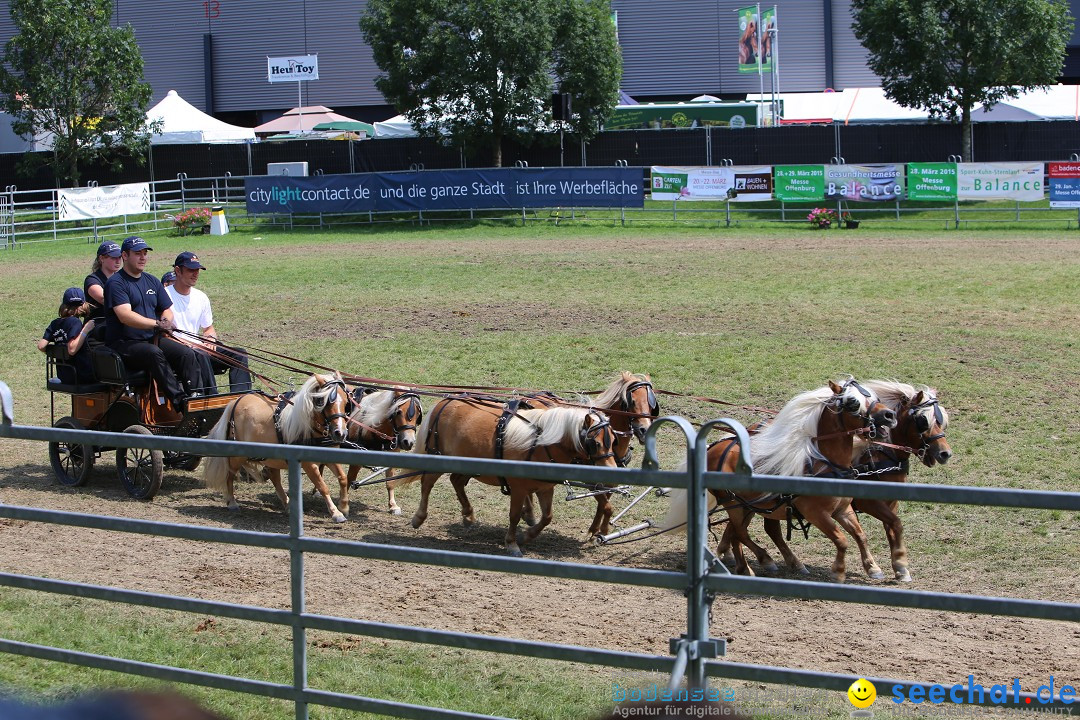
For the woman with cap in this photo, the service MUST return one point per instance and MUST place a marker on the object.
(107, 262)
(69, 331)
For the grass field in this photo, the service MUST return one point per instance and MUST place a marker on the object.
(748, 315)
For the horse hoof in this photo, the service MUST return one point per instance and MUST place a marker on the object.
(801, 569)
(417, 522)
(395, 511)
(339, 518)
(514, 552)
(838, 579)
(904, 577)
(233, 507)
(876, 575)
(770, 568)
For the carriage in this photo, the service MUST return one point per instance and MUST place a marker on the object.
(120, 401)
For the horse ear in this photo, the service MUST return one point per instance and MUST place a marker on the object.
(918, 399)
(837, 389)
(319, 380)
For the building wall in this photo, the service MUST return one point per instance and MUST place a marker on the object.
(671, 49)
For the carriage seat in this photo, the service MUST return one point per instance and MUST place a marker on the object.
(61, 376)
(109, 369)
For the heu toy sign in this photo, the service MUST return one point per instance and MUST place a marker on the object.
(293, 68)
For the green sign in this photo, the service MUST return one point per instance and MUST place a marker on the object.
(931, 181)
(682, 115)
(756, 38)
(668, 182)
(799, 183)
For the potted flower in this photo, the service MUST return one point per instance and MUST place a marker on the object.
(192, 221)
(821, 218)
(850, 223)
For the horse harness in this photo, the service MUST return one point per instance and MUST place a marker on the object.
(285, 399)
(388, 443)
(627, 405)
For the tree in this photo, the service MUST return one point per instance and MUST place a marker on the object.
(478, 71)
(945, 56)
(68, 73)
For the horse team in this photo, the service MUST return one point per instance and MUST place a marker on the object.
(842, 430)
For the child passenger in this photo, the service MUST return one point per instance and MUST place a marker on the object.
(68, 330)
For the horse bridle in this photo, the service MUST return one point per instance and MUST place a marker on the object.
(588, 438)
(331, 398)
(628, 402)
(413, 408)
(922, 425)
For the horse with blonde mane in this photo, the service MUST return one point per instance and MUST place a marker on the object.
(384, 420)
(920, 430)
(488, 428)
(812, 435)
(315, 414)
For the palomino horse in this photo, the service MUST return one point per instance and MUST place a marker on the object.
(316, 413)
(748, 43)
(811, 435)
(481, 428)
(384, 420)
(920, 430)
(630, 402)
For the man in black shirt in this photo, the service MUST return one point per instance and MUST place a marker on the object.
(137, 307)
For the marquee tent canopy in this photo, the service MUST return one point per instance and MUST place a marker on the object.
(182, 122)
(301, 120)
(395, 127)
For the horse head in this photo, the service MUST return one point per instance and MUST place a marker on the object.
(859, 404)
(640, 399)
(922, 426)
(406, 414)
(596, 439)
(331, 405)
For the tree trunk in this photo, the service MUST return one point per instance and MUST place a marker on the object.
(965, 133)
(496, 150)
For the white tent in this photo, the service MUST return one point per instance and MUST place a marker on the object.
(182, 122)
(1057, 102)
(395, 127)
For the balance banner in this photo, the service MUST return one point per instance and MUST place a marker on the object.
(864, 183)
(1000, 181)
(447, 190)
(750, 183)
(1064, 184)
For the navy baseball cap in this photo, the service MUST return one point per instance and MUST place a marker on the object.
(168, 277)
(188, 260)
(134, 243)
(73, 296)
(109, 248)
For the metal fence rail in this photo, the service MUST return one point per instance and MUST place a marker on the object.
(693, 651)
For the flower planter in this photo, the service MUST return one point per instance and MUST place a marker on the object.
(851, 225)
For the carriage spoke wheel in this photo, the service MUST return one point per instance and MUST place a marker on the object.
(71, 462)
(140, 470)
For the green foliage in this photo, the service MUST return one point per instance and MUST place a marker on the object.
(68, 73)
(480, 71)
(945, 56)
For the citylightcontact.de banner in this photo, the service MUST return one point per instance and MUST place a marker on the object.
(749, 183)
(503, 188)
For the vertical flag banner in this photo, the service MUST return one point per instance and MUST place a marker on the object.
(931, 181)
(1000, 181)
(749, 39)
(768, 22)
(799, 183)
(864, 183)
(1064, 184)
(750, 183)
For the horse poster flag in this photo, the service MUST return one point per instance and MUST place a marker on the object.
(739, 183)
(797, 183)
(293, 68)
(864, 183)
(86, 203)
(754, 41)
(1000, 181)
(447, 190)
(931, 181)
(1064, 184)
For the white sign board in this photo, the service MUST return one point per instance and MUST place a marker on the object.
(750, 183)
(292, 69)
(1000, 181)
(101, 202)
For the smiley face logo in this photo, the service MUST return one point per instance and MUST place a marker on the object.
(862, 693)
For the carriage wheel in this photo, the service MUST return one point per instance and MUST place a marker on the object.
(71, 462)
(140, 470)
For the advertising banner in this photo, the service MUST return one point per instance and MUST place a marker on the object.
(447, 190)
(1000, 181)
(864, 183)
(750, 183)
(1064, 184)
(799, 183)
(931, 181)
(754, 38)
(293, 68)
(682, 115)
(101, 202)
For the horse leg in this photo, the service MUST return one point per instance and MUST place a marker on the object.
(391, 501)
(343, 483)
(312, 471)
(283, 497)
(850, 522)
(517, 503)
(544, 498)
(468, 517)
(427, 481)
(528, 514)
(737, 521)
(723, 548)
(601, 523)
(824, 522)
(886, 512)
(230, 479)
(772, 528)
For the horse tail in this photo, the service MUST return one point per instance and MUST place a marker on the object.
(216, 469)
(678, 507)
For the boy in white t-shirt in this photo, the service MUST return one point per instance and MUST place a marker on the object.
(192, 314)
